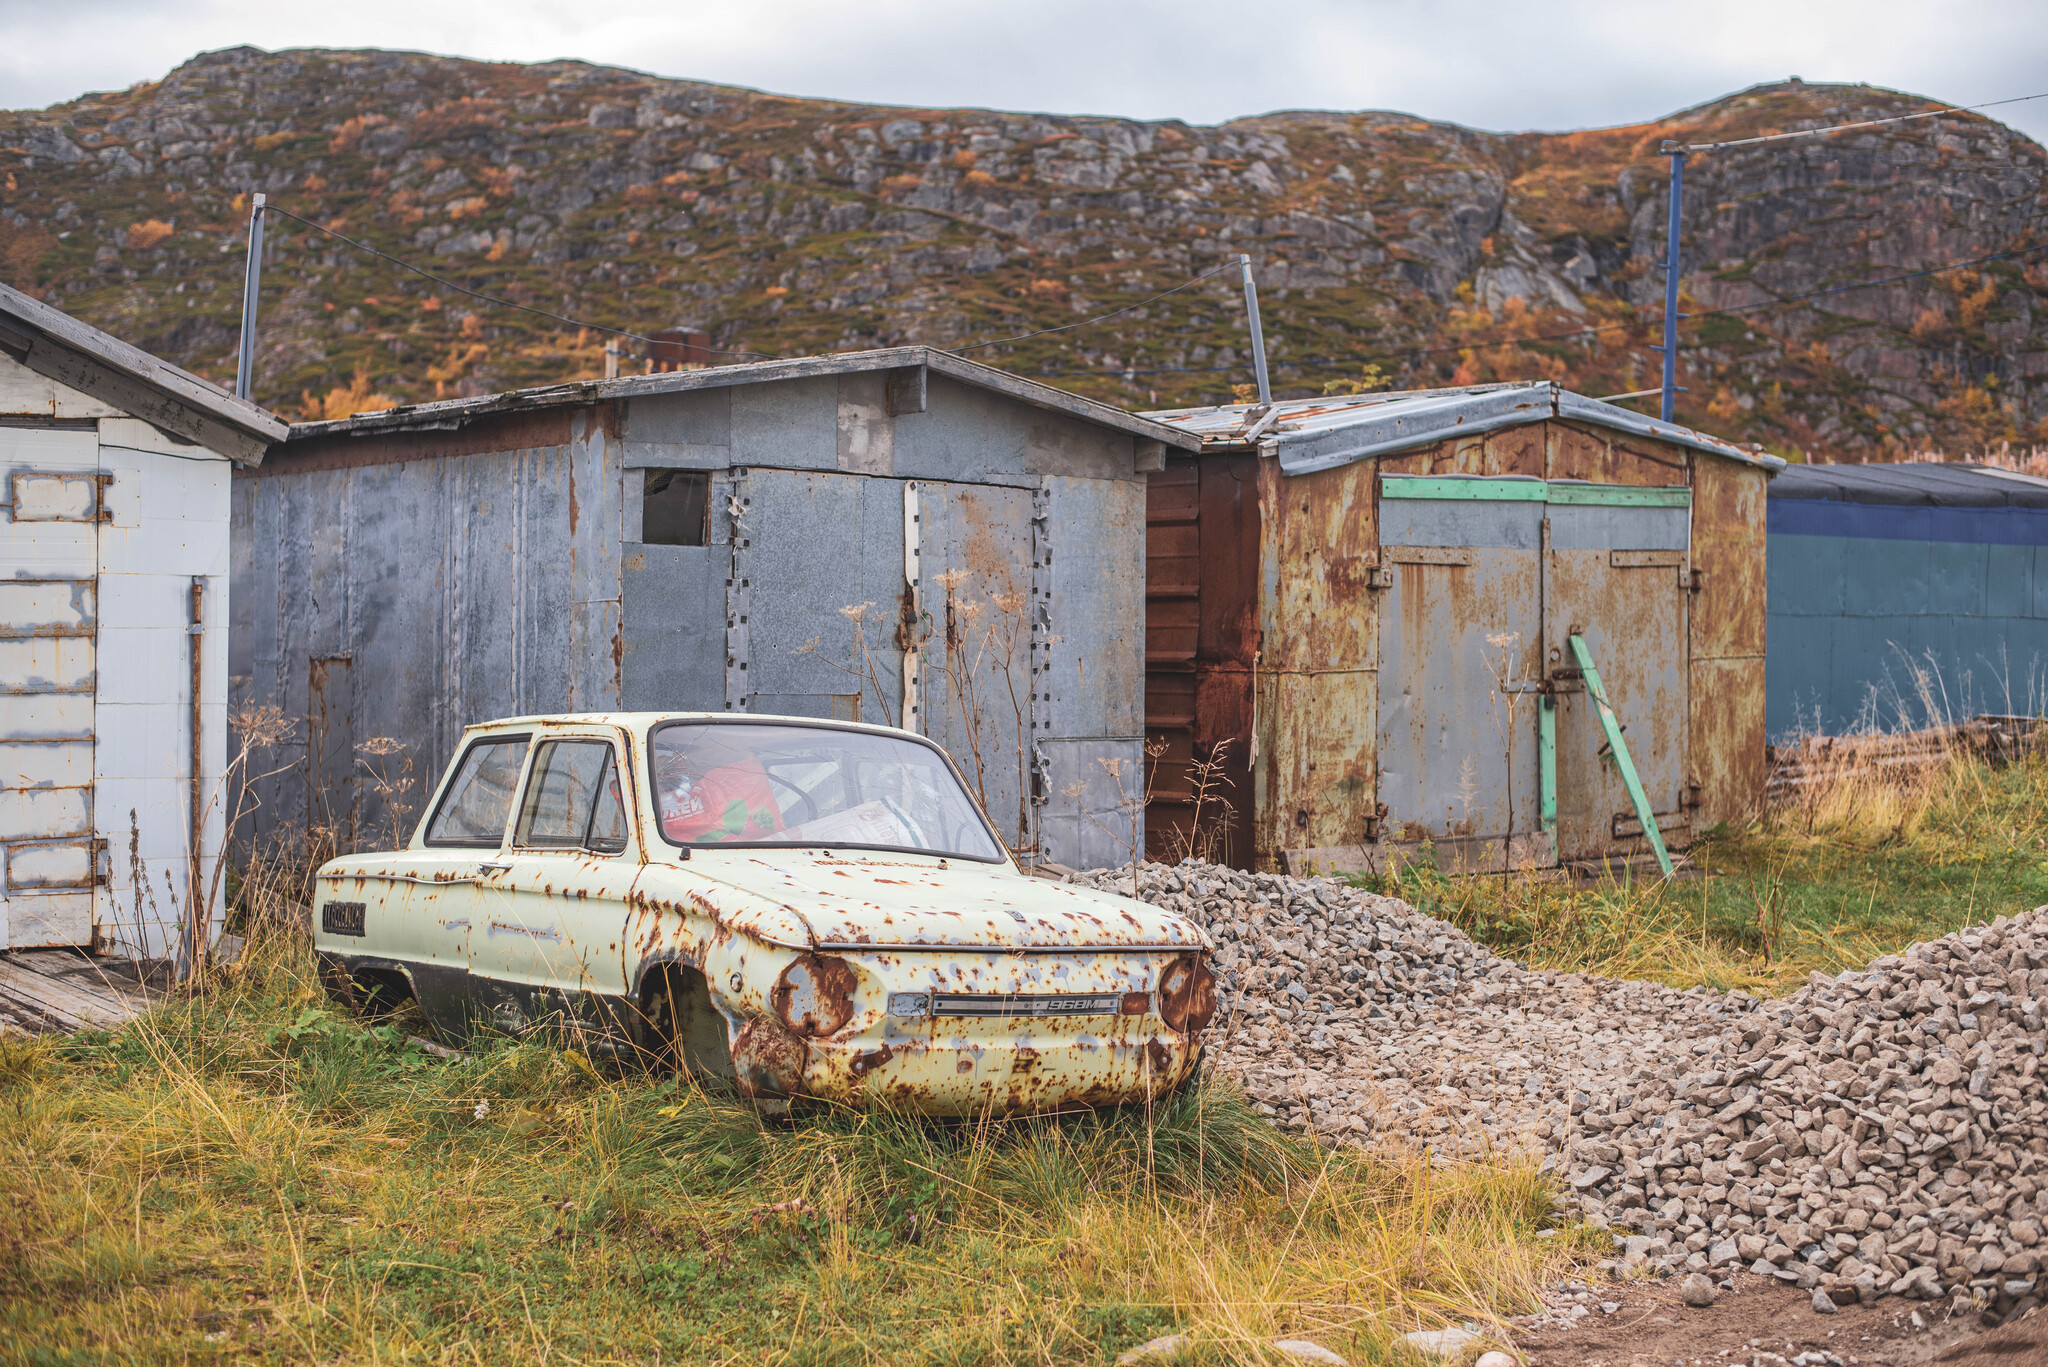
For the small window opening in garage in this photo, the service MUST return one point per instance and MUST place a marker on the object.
(677, 510)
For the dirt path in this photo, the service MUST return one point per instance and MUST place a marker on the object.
(1765, 1323)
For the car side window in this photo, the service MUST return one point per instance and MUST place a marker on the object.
(573, 801)
(478, 801)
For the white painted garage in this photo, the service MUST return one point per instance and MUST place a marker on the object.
(114, 477)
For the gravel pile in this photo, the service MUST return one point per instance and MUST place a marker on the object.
(1880, 1133)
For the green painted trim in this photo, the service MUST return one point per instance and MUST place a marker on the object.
(1533, 491)
(1546, 764)
(1478, 490)
(1619, 496)
(1619, 748)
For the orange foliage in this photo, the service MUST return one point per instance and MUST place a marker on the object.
(458, 360)
(896, 185)
(314, 184)
(349, 131)
(964, 160)
(1049, 289)
(457, 117)
(639, 196)
(343, 401)
(979, 180)
(151, 232)
(431, 304)
(1970, 310)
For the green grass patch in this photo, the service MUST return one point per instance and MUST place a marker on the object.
(1852, 870)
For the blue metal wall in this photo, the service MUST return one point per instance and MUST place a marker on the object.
(1892, 615)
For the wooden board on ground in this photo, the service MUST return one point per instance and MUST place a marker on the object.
(45, 991)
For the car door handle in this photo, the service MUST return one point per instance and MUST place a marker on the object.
(492, 868)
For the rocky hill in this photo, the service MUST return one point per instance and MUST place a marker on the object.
(1431, 253)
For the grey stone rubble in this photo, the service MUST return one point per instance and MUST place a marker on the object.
(1878, 1133)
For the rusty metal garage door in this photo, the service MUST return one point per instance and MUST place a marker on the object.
(49, 612)
(1486, 579)
(1460, 640)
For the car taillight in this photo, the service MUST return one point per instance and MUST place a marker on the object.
(814, 995)
(1187, 994)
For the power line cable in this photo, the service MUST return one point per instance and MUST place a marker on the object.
(1839, 127)
(492, 299)
(1577, 332)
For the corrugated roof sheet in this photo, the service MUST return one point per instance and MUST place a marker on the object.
(1320, 434)
(1918, 483)
(450, 413)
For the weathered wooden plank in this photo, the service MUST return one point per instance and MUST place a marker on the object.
(72, 1004)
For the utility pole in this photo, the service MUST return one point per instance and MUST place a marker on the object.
(252, 283)
(1670, 347)
(1251, 307)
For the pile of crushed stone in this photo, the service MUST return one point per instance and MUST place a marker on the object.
(1880, 1133)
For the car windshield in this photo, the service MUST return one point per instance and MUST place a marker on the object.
(759, 783)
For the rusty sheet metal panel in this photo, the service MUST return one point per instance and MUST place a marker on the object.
(1729, 614)
(1601, 457)
(1090, 706)
(975, 549)
(1461, 646)
(1202, 642)
(1729, 757)
(451, 585)
(1618, 577)
(49, 617)
(1173, 611)
(823, 562)
(1728, 551)
(1319, 651)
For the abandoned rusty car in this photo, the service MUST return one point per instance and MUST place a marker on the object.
(806, 908)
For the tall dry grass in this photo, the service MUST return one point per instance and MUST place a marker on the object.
(247, 1172)
(1882, 841)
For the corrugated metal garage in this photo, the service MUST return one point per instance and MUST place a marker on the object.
(899, 536)
(1906, 595)
(1366, 606)
(113, 640)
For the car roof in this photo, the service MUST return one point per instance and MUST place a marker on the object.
(640, 721)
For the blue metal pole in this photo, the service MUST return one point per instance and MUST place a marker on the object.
(1671, 286)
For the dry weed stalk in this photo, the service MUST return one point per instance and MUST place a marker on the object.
(1131, 804)
(257, 727)
(1207, 834)
(395, 783)
(863, 669)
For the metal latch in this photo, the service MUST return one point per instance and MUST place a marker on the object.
(1379, 577)
(1692, 581)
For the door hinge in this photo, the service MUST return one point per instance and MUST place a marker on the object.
(102, 863)
(1379, 577)
(1692, 581)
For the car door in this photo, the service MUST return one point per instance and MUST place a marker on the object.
(546, 946)
(429, 930)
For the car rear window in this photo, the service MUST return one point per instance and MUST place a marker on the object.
(763, 783)
(474, 809)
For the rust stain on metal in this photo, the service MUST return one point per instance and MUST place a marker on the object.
(814, 994)
(769, 1059)
(1187, 995)
(868, 1060)
(1202, 528)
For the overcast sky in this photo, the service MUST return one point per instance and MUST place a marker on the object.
(1488, 63)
